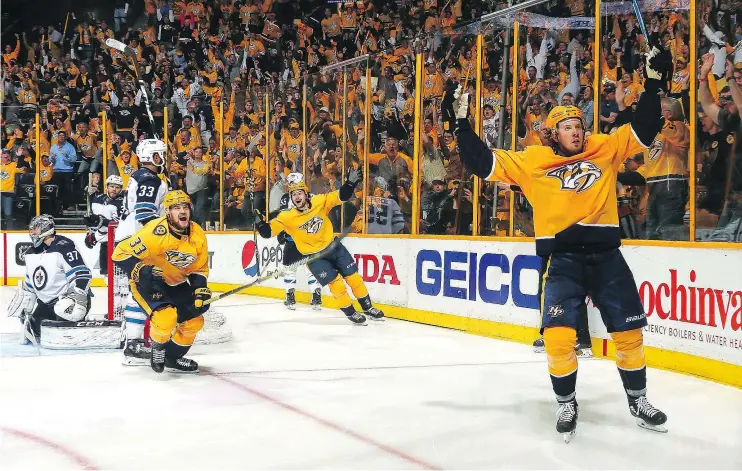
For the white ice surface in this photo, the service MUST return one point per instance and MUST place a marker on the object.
(305, 389)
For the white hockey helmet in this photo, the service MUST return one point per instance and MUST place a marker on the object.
(148, 148)
(294, 178)
(115, 180)
(45, 224)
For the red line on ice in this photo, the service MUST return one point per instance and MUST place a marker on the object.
(326, 423)
(61, 449)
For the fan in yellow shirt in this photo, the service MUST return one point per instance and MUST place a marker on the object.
(308, 223)
(167, 262)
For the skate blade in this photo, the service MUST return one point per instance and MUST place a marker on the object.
(177, 371)
(568, 436)
(291, 307)
(316, 307)
(380, 319)
(654, 428)
(584, 353)
(539, 349)
(131, 361)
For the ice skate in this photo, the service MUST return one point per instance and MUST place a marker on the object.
(357, 318)
(375, 314)
(290, 301)
(157, 357)
(647, 416)
(181, 365)
(136, 353)
(538, 345)
(317, 299)
(567, 419)
(584, 350)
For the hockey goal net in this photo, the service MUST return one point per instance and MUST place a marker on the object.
(215, 328)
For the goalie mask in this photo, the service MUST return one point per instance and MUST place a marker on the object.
(114, 185)
(152, 152)
(40, 228)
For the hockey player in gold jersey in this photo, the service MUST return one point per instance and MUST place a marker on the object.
(167, 264)
(309, 226)
(572, 187)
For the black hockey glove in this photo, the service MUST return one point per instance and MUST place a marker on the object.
(263, 228)
(448, 115)
(200, 295)
(282, 237)
(148, 278)
(90, 240)
(93, 221)
(659, 66)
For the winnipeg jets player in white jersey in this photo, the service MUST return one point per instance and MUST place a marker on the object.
(145, 194)
(105, 208)
(57, 284)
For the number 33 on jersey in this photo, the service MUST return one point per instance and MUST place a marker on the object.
(179, 256)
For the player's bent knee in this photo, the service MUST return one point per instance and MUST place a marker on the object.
(357, 285)
(186, 331)
(337, 288)
(559, 343)
(629, 349)
(162, 323)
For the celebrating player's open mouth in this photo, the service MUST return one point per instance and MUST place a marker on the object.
(179, 217)
(299, 197)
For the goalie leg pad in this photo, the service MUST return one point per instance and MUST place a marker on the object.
(185, 332)
(357, 285)
(23, 301)
(162, 323)
(337, 288)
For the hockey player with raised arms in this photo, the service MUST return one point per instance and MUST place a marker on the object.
(291, 255)
(105, 208)
(309, 226)
(167, 262)
(57, 280)
(144, 196)
(572, 187)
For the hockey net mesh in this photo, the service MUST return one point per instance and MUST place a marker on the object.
(215, 329)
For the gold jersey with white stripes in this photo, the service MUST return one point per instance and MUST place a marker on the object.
(573, 198)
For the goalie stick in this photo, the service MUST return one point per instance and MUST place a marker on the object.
(311, 258)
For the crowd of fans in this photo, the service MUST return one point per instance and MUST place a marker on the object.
(260, 64)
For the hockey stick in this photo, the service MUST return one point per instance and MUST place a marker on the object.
(639, 18)
(132, 54)
(29, 335)
(321, 254)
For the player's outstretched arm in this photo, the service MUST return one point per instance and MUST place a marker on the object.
(475, 155)
(647, 121)
(263, 228)
(346, 191)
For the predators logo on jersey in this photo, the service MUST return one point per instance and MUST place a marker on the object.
(179, 259)
(578, 176)
(655, 149)
(312, 226)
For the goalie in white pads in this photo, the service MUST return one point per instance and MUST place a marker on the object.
(57, 280)
(105, 208)
(144, 196)
(167, 262)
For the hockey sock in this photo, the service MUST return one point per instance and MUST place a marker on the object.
(185, 332)
(365, 303)
(337, 288)
(559, 343)
(174, 350)
(357, 286)
(311, 280)
(289, 280)
(162, 323)
(135, 319)
(630, 361)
